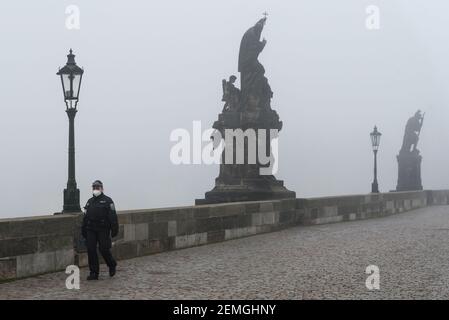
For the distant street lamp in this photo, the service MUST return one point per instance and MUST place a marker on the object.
(375, 141)
(71, 76)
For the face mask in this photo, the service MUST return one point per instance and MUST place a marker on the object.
(96, 193)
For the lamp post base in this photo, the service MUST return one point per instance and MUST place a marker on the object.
(374, 187)
(71, 201)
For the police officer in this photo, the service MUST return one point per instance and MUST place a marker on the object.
(100, 223)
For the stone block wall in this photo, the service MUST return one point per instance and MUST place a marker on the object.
(438, 197)
(30, 246)
(144, 232)
(356, 207)
(35, 245)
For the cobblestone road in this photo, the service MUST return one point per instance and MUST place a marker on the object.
(314, 262)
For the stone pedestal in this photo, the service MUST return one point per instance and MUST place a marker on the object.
(409, 171)
(244, 182)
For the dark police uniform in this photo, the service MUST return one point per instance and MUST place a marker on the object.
(100, 223)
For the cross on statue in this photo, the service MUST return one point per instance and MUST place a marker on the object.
(265, 14)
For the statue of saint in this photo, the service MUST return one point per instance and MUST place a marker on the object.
(231, 94)
(412, 131)
(256, 92)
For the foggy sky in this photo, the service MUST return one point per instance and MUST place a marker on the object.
(154, 66)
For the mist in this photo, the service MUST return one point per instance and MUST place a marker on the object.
(153, 67)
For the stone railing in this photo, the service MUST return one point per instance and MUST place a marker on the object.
(35, 245)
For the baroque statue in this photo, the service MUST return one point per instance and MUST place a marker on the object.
(256, 92)
(412, 132)
(248, 110)
(409, 158)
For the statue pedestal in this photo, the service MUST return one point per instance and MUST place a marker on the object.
(244, 182)
(409, 171)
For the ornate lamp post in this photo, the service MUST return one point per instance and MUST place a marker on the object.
(375, 141)
(71, 76)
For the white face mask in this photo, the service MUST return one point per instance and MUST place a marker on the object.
(96, 193)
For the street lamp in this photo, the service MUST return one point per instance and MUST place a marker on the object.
(375, 141)
(71, 76)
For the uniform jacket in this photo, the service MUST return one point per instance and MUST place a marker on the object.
(100, 215)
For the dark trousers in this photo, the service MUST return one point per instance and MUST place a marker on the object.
(103, 239)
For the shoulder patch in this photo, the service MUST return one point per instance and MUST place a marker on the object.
(112, 206)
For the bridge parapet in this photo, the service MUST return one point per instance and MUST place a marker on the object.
(35, 245)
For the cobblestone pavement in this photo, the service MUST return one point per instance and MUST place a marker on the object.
(313, 262)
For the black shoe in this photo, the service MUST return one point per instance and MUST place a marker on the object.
(112, 271)
(92, 276)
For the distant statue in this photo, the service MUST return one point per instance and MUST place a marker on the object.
(412, 131)
(231, 94)
(256, 92)
(409, 158)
